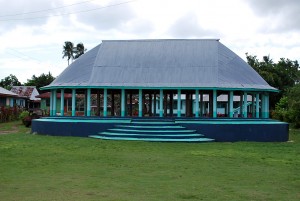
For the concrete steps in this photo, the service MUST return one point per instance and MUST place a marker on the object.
(152, 130)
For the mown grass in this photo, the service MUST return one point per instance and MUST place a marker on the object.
(37, 168)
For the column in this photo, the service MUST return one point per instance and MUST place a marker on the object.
(230, 100)
(245, 105)
(51, 103)
(267, 113)
(54, 102)
(150, 104)
(140, 103)
(73, 102)
(197, 103)
(112, 103)
(171, 104)
(98, 102)
(62, 98)
(122, 102)
(178, 103)
(88, 103)
(105, 102)
(130, 104)
(253, 105)
(154, 104)
(201, 104)
(161, 97)
(257, 105)
(214, 103)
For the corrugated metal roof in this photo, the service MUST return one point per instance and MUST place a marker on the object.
(5, 92)
(203, 63)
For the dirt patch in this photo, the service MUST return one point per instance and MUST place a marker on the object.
(13, 129)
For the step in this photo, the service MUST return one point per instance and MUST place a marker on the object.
(154, 139)
(169, 135)
(150, 127)
(151, 131)
(153, 123)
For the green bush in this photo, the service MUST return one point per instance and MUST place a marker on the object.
(23, 115)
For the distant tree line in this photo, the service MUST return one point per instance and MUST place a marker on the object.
(285, 76)
(37, 81)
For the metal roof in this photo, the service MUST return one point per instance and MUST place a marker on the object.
(178, 63)
(6, 93)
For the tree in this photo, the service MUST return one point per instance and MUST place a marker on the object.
(40, 81)
(10, 81)
(282, 75)
(80, 50)
(72, 52)
(68, 51)
(288, 107)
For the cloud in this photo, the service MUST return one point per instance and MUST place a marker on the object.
(188, 26)
(112, 15)
(17, 13)
(280, 15)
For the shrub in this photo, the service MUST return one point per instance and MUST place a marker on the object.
(23, 115)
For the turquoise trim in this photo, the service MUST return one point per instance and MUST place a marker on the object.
(245, 105)
(214, 103)
(140, 103)
(230, 104)
(123, 103)
(54, 102)
(88, 103)
(197, 103)
(257, 105)
(62, 98)
(158, 88)
(73, 102)
(161, 96)
(105, 103)
(178, 103)
(51, 104)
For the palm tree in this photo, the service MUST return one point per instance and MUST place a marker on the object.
(68, 51)
(79, 50)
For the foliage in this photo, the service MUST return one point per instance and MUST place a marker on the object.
(37, 167)
(40, 81)
(9, 113)
(282, 75)
(72, 52)
(288, 107)
(23, 114)
(9, 81)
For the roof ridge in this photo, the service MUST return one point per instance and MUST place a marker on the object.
(149, 40)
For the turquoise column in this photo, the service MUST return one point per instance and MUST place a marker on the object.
(179, 103)
(51, 103)
(140, 103)
(62, 98)
(267, 105)
(123, 109)
(214, 103)
(201, 104)
(230, 99)
(197, 103)
(161, 97)
(88, 103)
(245, 107)
(73, 102)
(54, 102)
(257, 105)
(105, 103)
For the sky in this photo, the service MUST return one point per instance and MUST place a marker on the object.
(33, 32)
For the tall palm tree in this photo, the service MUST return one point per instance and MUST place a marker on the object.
(79, 50)
(68, 51)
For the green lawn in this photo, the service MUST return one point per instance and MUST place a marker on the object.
(37, 168)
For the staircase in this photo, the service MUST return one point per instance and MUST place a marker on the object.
(158, 130)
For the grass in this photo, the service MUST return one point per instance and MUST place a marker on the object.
(42, 168)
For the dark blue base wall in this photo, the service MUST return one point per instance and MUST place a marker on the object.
(221, 130)
(243, 132)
